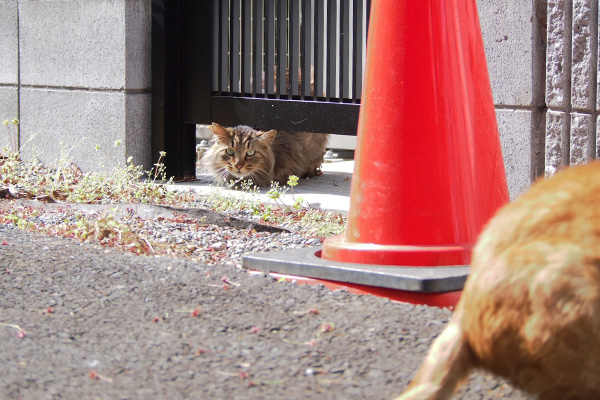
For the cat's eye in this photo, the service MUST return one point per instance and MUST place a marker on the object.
(250, 153)
(230, 151)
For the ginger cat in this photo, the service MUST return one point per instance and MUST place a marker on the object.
(530, 310)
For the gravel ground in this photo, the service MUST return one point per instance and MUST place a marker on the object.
(85, 321)
(195, 233)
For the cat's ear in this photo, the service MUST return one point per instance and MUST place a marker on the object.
(268, 136)
(221, 132)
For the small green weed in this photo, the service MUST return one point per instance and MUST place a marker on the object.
(64, 181)
(298, 215)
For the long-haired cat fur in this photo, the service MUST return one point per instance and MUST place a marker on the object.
(530, 309)
(241, 152)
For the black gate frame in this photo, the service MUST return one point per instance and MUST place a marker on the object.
(182, 92)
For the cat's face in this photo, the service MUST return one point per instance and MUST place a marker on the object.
(242, 152)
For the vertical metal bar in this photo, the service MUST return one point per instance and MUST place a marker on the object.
(269, 46)
(246, 46)
(224, 47)
(257, 43)
(234, 54)
(282, 41)
(332, 49)
(328, 51)
(277, 40)
(368, 19)
(359, 44)
(326, 48)
(346, 44)
(357, 27)
(294, 46)
(320, 48)
(341, 50)
(303, 46)
(215, 47)
(306, 65)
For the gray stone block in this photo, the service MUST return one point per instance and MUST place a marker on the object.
(138, 24)
(9, 43)
(582, 141)
(71, 43)
(558, 56)
(515, 128)
(78, 121)
(583, 74)
(509, 31)
(8, 110)
(9, 101)
(138, 133)
(557, 141)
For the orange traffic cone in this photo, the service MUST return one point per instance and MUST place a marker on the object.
(429, 170)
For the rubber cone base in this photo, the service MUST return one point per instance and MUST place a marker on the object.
(434, 286)
(339, 248)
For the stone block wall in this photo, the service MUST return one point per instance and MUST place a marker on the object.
(78, 76)
(572, 84)
(9, 67)
(543, 61)
(513, 34)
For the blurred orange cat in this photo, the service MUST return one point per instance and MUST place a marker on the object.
(530, 309)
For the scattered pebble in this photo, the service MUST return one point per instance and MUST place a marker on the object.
(219, 246)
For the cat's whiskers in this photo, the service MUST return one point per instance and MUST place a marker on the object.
(214, 178)
(262, 178)
(261, 173)
(221, 175)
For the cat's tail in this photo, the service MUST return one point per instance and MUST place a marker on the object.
(449, 362)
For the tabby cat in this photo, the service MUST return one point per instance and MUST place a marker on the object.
(530, 310)
(241, 153)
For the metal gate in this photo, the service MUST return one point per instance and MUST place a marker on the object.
(220, 60)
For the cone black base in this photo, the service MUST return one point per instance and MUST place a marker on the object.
(422, 285)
